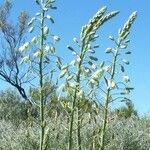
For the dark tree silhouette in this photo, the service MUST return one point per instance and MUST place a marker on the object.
(12, 36)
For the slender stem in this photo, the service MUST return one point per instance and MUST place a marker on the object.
(74, 103)
(41, 82)
(79, 126)
(73, 106)
(105, 120)
(102, 144)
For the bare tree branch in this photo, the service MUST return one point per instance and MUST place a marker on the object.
(12, 38)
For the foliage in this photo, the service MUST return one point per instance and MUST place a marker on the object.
(122, 134)
(11, 71)
(12, 108)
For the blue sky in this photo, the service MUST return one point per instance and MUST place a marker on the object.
(72, 15)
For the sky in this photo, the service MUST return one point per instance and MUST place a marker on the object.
(71, 15)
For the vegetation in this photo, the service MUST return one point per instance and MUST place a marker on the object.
(18, 132)
(76, 114)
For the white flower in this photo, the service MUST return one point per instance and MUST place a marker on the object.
(25, 59)
(93, 66)
(56, 38)
(126, 61)
(32, 20)
(92, 81)
(48, 17)
(97, 74)
(108, 50)
(49, 49)
(46, 30)
(78, 59)
(89, 46)
(87, 70)
(75, 40)
(21, 49)
(111, 38)
(52, 49)
(72, 84)
(38, 14)
(36, 54)
(31, 29)
(45, 9)
(73, 62)
(80, 94)
(126, 91)
(126, 79)
(24, 47)
(111, 84)
(74, 53)
(107, 68)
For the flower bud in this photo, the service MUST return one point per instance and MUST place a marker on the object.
(80, 94)
(111, 38)
(111, 84)
(126, 61)
(48, 17)
(126, 79)
(24, 47)
(34, 40)
(37, 54)
(93, 66)
(108, 50)
(75, 40)
(56, 38)
(31, 29)
(46, 30)
(25, 59)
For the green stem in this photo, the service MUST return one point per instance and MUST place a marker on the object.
(73, 109)
(79, 127)
(74, 104)
(41, 82)
(103, 134)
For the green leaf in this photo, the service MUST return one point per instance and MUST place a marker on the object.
(123, 46)
(90, 63)
(50, 1)
(129, 88)
(102, 64)
(128, 52)
(106, 81)
(93, 58)
(53, 7)
(122, 68)
(127, 41)
(63, 73)
(96, 46)
(47, 59)
(70, 48)
(37, 1)
(65, 67)
(111, 38)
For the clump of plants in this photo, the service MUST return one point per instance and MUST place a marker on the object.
(84, 79)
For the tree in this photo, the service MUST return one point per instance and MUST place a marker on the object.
(11, 108)
(126, 111)
(49, 92)
(12, 36)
